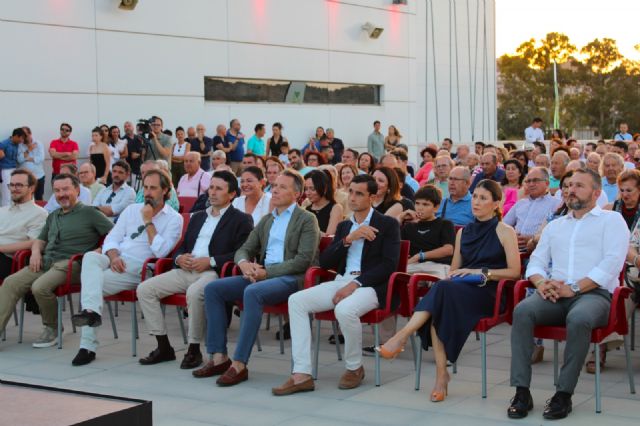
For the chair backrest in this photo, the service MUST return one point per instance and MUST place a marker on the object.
(456, 228)
(324, 242)
(41, 203)
(404, 256)
(186, 203)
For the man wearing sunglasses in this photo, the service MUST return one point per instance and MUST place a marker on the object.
(73, 228)
(63, 150)
(143, 230)
(113, 199)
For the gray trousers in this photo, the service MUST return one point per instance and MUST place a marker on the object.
(579, 314)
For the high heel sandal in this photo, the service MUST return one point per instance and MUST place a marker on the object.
(387, 354)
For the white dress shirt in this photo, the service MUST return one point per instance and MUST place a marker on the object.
(123, 197)
(168, 224)
(354, 254)
(262, 208)
(594, 247)
(201, 246)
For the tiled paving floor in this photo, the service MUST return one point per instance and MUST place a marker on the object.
(179, 399)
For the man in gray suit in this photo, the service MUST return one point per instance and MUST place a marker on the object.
(273, 262)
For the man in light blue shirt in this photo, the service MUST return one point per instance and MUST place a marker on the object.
(623, 133)
(113, 199)
(273, 262)
(9, 161)
(31, 157)
(375, 142)
(256, 143)
(457, 207)
(612, 166)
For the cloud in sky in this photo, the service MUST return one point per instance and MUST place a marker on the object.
(582, 20)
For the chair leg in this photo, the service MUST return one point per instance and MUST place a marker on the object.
(258, 343)
(181, 322)
(21, 325)
(134, 329)
(477, 336)
(337, 340)
(60, 306)
(113, 321)
(281, 334)
(597, 357)
(454, 368)
(412, 339)
(627, 353)
(73, 327)
(376, 330)
(483, 355)
(116, 309)
(633, 328)
(15, 315)
(268, 326)
(555, 363)
(316, 354)
(418, 367)
(134, 313)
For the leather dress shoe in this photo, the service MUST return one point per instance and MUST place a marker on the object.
(351, 378)
(289, 387)
(286, 328)
(558, 407)
(86, 318)
(211, 369)
(83, 357)
(157, 356)
(231, 377)
(521, 404)
(191, 360)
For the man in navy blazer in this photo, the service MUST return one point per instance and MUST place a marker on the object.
(211, 239)
(364, 252)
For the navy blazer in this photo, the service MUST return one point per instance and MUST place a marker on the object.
(230, 233)
(379, 257)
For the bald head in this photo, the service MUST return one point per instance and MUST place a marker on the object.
(192, 162)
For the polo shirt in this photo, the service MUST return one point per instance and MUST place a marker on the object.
(611, 189)
(76, 231)
(256, 145)
(10, 159)
(60, 146)
(152, 152)
(459, 212)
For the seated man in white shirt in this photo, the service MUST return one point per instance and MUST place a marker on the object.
(85, 194)
(587, 249)
(195, 181)
(116, 197)
(144, 230)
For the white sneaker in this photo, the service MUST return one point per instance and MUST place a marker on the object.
(48, 338)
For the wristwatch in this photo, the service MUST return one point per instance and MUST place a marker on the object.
(576, 288)
(486, 273)
(212, 262)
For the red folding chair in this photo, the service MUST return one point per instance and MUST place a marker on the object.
(617, 323)
(484, 325)
(130, 296)
(40, 203)
(397, 286)
(186, 203)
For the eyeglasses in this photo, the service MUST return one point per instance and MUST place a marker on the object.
(139, 232)
(534, 180)
(17, 185)
(113, 194)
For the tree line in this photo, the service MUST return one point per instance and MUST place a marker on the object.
(598, 87)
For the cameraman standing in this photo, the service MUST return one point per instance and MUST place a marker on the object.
(159, 145)
(135, 149)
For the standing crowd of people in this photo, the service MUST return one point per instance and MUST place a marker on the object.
(469, 214)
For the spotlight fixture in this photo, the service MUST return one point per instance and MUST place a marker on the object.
(372, 30)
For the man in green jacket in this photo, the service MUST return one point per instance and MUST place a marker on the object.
(273, 262)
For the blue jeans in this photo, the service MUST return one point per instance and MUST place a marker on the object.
(254, 296)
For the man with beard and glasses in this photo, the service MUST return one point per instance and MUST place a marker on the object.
(211, 239)
(113, 199)
(22, 221)
(73, 228)
(144, 230)
(586, 250)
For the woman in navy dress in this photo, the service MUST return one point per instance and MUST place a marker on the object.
(445, 317)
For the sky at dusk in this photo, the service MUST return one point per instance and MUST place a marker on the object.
(582, 20)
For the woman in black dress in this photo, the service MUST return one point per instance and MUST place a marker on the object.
(100, 155)
(450, 310)
(318, 188)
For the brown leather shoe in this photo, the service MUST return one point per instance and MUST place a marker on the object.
(351, 378)
(288, 387)
(211, 369)
(191, 360)
(538, 354)
(232, 377)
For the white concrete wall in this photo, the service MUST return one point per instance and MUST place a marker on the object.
(87, 62)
